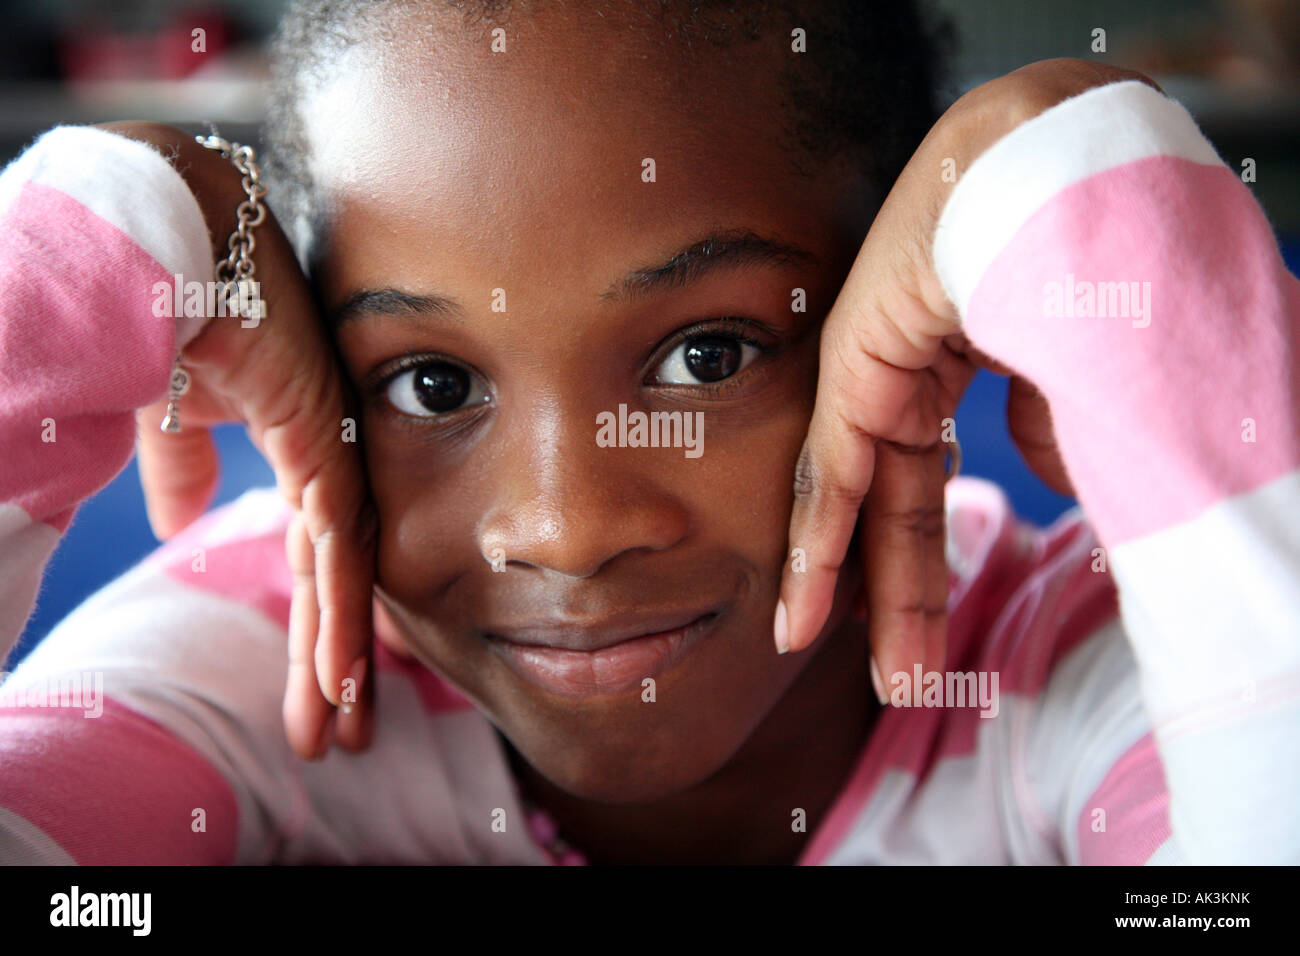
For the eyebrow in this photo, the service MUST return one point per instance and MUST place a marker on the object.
(731, 249)
(395, 303)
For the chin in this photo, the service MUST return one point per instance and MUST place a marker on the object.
(632, 787)
(641, 771)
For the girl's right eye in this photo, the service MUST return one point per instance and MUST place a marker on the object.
(434, 388)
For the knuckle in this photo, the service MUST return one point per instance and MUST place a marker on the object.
(815, 482)
(927, 610)
(805, 480)
(925, 521)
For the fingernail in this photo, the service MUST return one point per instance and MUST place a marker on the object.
(325, 739)
(356, 675)
(781, 628)
(877, 682)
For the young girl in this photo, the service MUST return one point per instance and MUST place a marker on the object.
(519, 220)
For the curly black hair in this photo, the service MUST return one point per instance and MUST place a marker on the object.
(866, 91)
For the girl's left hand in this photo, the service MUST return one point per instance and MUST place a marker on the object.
(280, 379)
(894, 364)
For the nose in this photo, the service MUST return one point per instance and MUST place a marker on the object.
(566, 505)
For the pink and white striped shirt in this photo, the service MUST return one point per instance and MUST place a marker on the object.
(1148, 654)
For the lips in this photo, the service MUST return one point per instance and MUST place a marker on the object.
(602, 659)
(576, 635)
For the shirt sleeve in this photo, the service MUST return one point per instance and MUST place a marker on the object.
(1104, 251)
(90, 224)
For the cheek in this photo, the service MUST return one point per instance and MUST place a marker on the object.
(749, 509)
(748, 491)
(426, 535)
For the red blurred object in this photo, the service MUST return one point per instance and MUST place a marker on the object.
(189, 42)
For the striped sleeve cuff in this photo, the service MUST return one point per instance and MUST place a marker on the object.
(111, 176)
(1099, 130)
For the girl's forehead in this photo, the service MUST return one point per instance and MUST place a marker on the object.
(555, 162)
(429, 98)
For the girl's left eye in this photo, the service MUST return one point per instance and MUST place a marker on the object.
(434, 388)
(705, 359)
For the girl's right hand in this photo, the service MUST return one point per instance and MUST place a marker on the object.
(280, 379)
(893, 366)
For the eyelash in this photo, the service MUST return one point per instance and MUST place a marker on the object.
(735, 327)
(379, 384)
(377, 390)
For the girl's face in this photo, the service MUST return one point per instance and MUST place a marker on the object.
(523, 241)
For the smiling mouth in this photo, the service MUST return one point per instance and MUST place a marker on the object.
(614, 668)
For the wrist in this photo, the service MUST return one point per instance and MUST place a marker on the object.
(213, 181)
(990, 111)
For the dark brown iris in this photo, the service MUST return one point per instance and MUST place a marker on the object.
(441, 387)
(712, 358)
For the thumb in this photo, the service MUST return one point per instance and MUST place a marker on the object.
(179, 472)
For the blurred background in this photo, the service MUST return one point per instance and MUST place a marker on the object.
(1235, 64)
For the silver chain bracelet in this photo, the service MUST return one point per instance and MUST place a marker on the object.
(233, 273)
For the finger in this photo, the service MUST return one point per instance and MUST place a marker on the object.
(961, 345)
(341, 525)
(319, 471)
(905, 567)
(307, 714)
(354, 721)
(386, 632)
(1029, 420)
(178, 471)
(355, 718)
(859, 398)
